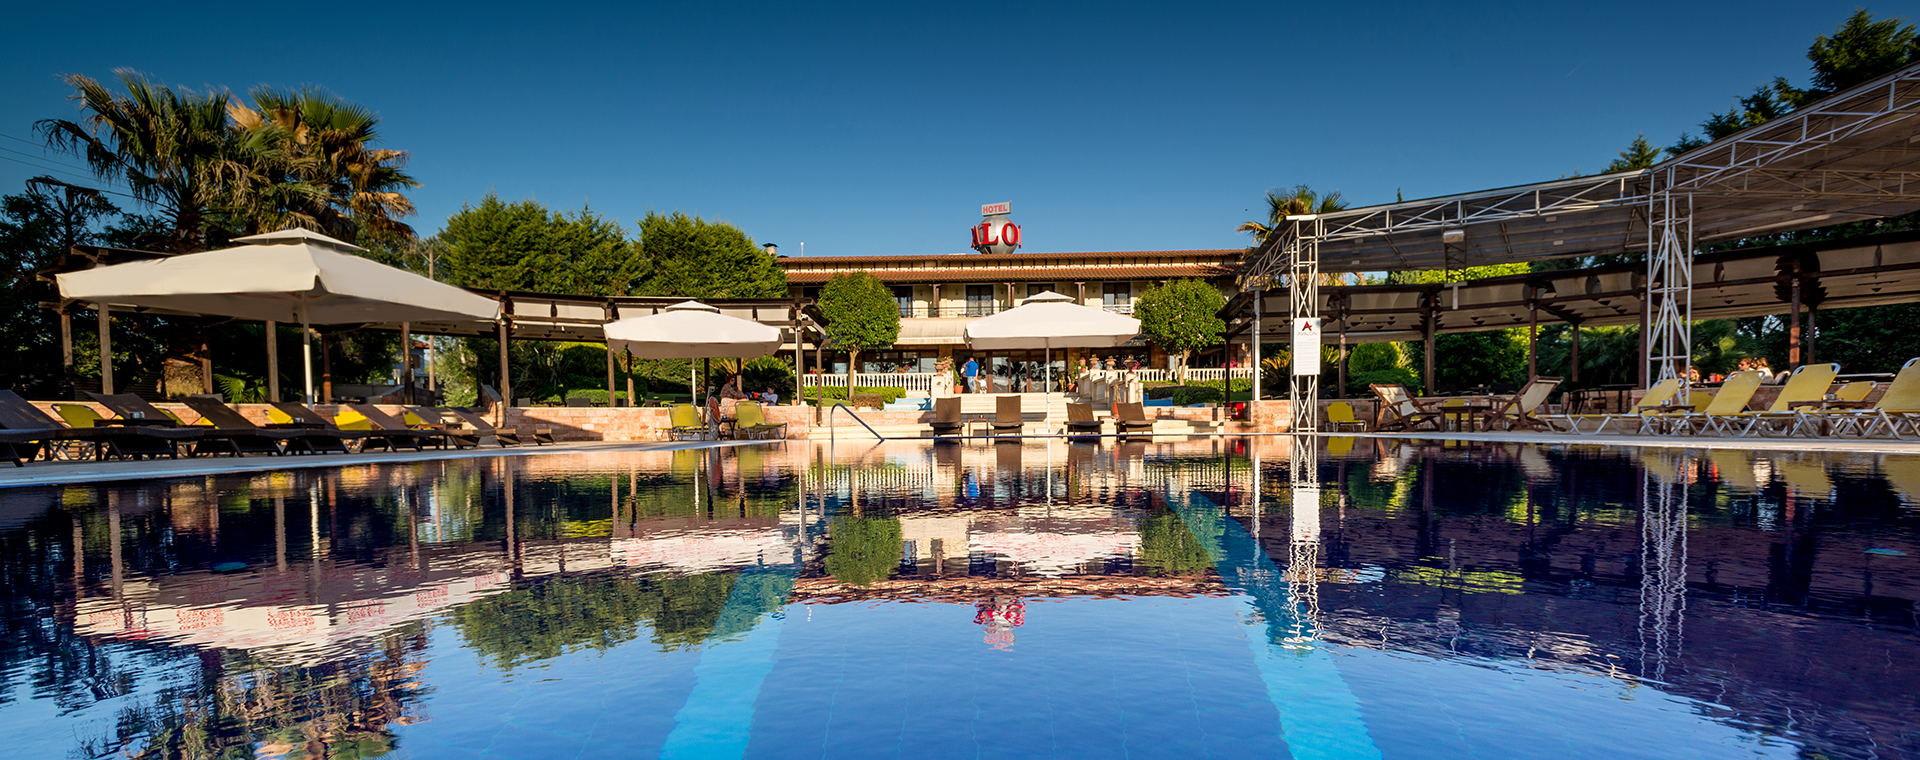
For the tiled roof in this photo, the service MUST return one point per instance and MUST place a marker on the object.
(982, 259)
(944, 274)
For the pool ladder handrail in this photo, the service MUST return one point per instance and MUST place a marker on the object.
(837, 406)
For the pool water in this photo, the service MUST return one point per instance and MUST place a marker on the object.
(1265, 597)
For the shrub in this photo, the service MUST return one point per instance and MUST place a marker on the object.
(595, 396)
(870, 400)
(1183, 395)
(1357, 382)
(886, 393)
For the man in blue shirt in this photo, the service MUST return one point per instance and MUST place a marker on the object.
(971, 371)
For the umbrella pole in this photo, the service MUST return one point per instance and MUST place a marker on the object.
(306, 350)
(1046, 418)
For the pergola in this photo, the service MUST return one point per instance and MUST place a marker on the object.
(1845, 273)
(1848, 157)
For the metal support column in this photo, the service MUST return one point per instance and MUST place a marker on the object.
(1303, 277)
(1670, 283)
(1259, 308)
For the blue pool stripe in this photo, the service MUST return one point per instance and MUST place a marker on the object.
(1319, 714)
(717, 719)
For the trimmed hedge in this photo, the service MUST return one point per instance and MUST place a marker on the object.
(886, 393)
(1182, 395)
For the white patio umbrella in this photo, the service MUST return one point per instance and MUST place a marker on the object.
(1048, 321)
(692, 330)
(286, 276)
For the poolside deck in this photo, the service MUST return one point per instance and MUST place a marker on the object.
(61, 473)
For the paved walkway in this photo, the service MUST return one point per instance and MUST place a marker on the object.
(1847, 445)
(61, 473)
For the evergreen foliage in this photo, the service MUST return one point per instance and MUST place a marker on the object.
(861, 315)
(695, 258)
(1182, 316)
(523, 246)
(861, 550)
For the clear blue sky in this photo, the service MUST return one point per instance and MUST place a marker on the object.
(879, 128)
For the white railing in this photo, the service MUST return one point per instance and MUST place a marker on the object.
(1220, 373)
(912, 381)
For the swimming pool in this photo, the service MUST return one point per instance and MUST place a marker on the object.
(1222, 598)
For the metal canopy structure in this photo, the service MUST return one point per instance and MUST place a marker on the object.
(1849, 157)
(1846, 273)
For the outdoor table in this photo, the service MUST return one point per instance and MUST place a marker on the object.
(1470, 410)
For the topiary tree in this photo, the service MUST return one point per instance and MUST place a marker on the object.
(861, 316)
(1181, 316)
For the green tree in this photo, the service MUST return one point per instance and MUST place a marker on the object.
(524, 246)
(1639, 154)
(161, 142)
(305, 158)
(861, 316)
(695, 258)
(35, 228)
(1182, 316)
(1280, 205)
(861, 550)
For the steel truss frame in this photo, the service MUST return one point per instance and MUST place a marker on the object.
(1809, 155)
(1302, 242)
(1670, 285)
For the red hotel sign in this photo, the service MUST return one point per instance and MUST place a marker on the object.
(991, 209)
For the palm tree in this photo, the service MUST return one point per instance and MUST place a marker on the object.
(160, 141)
(1301, 200)
(309, 162)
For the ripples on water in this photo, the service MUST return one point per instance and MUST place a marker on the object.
(1007, 600)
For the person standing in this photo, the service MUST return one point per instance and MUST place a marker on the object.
(971, 371)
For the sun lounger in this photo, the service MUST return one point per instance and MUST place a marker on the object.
(1659, 395)
(1399, 411)
(110, 441)
(1519, 411)
(22, 446)
(428, 418)
(684, 424)
(750, 420)
(1080, 420)
(946, 416)
(1728, 408)
(500, 434)
(323, 435)
(383, 430)
(1131, 419)
(235, 434)
(1006, 414)
(1898, 409)
(1807, 385)
(1341, 418)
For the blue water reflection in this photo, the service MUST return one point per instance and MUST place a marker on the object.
(1222, 598)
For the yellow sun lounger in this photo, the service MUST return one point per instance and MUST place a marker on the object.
(1897, 409)
(1659, 395)
(1808, 384)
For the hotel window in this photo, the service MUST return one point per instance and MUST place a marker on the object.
(1116, 294)
(1034, 289)
(903, 297)
(979, 300)
(810, 293)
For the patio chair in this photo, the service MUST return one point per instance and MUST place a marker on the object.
(1898, 407)
(1399, 411)
(1729, 407)
(1080, 420)
(1340, 416)
(1518, 411)
(390, 432)
(684, 424)
(1659, 395)
(234, 434)
(1131, 419)
(946, 416)
(1808, 384)
(1006, 414)
(127, 441)
(429, 419)
(750, 420)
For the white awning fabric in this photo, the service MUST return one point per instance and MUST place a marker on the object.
(1050, 320)
(691, 330)
(277, 276)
